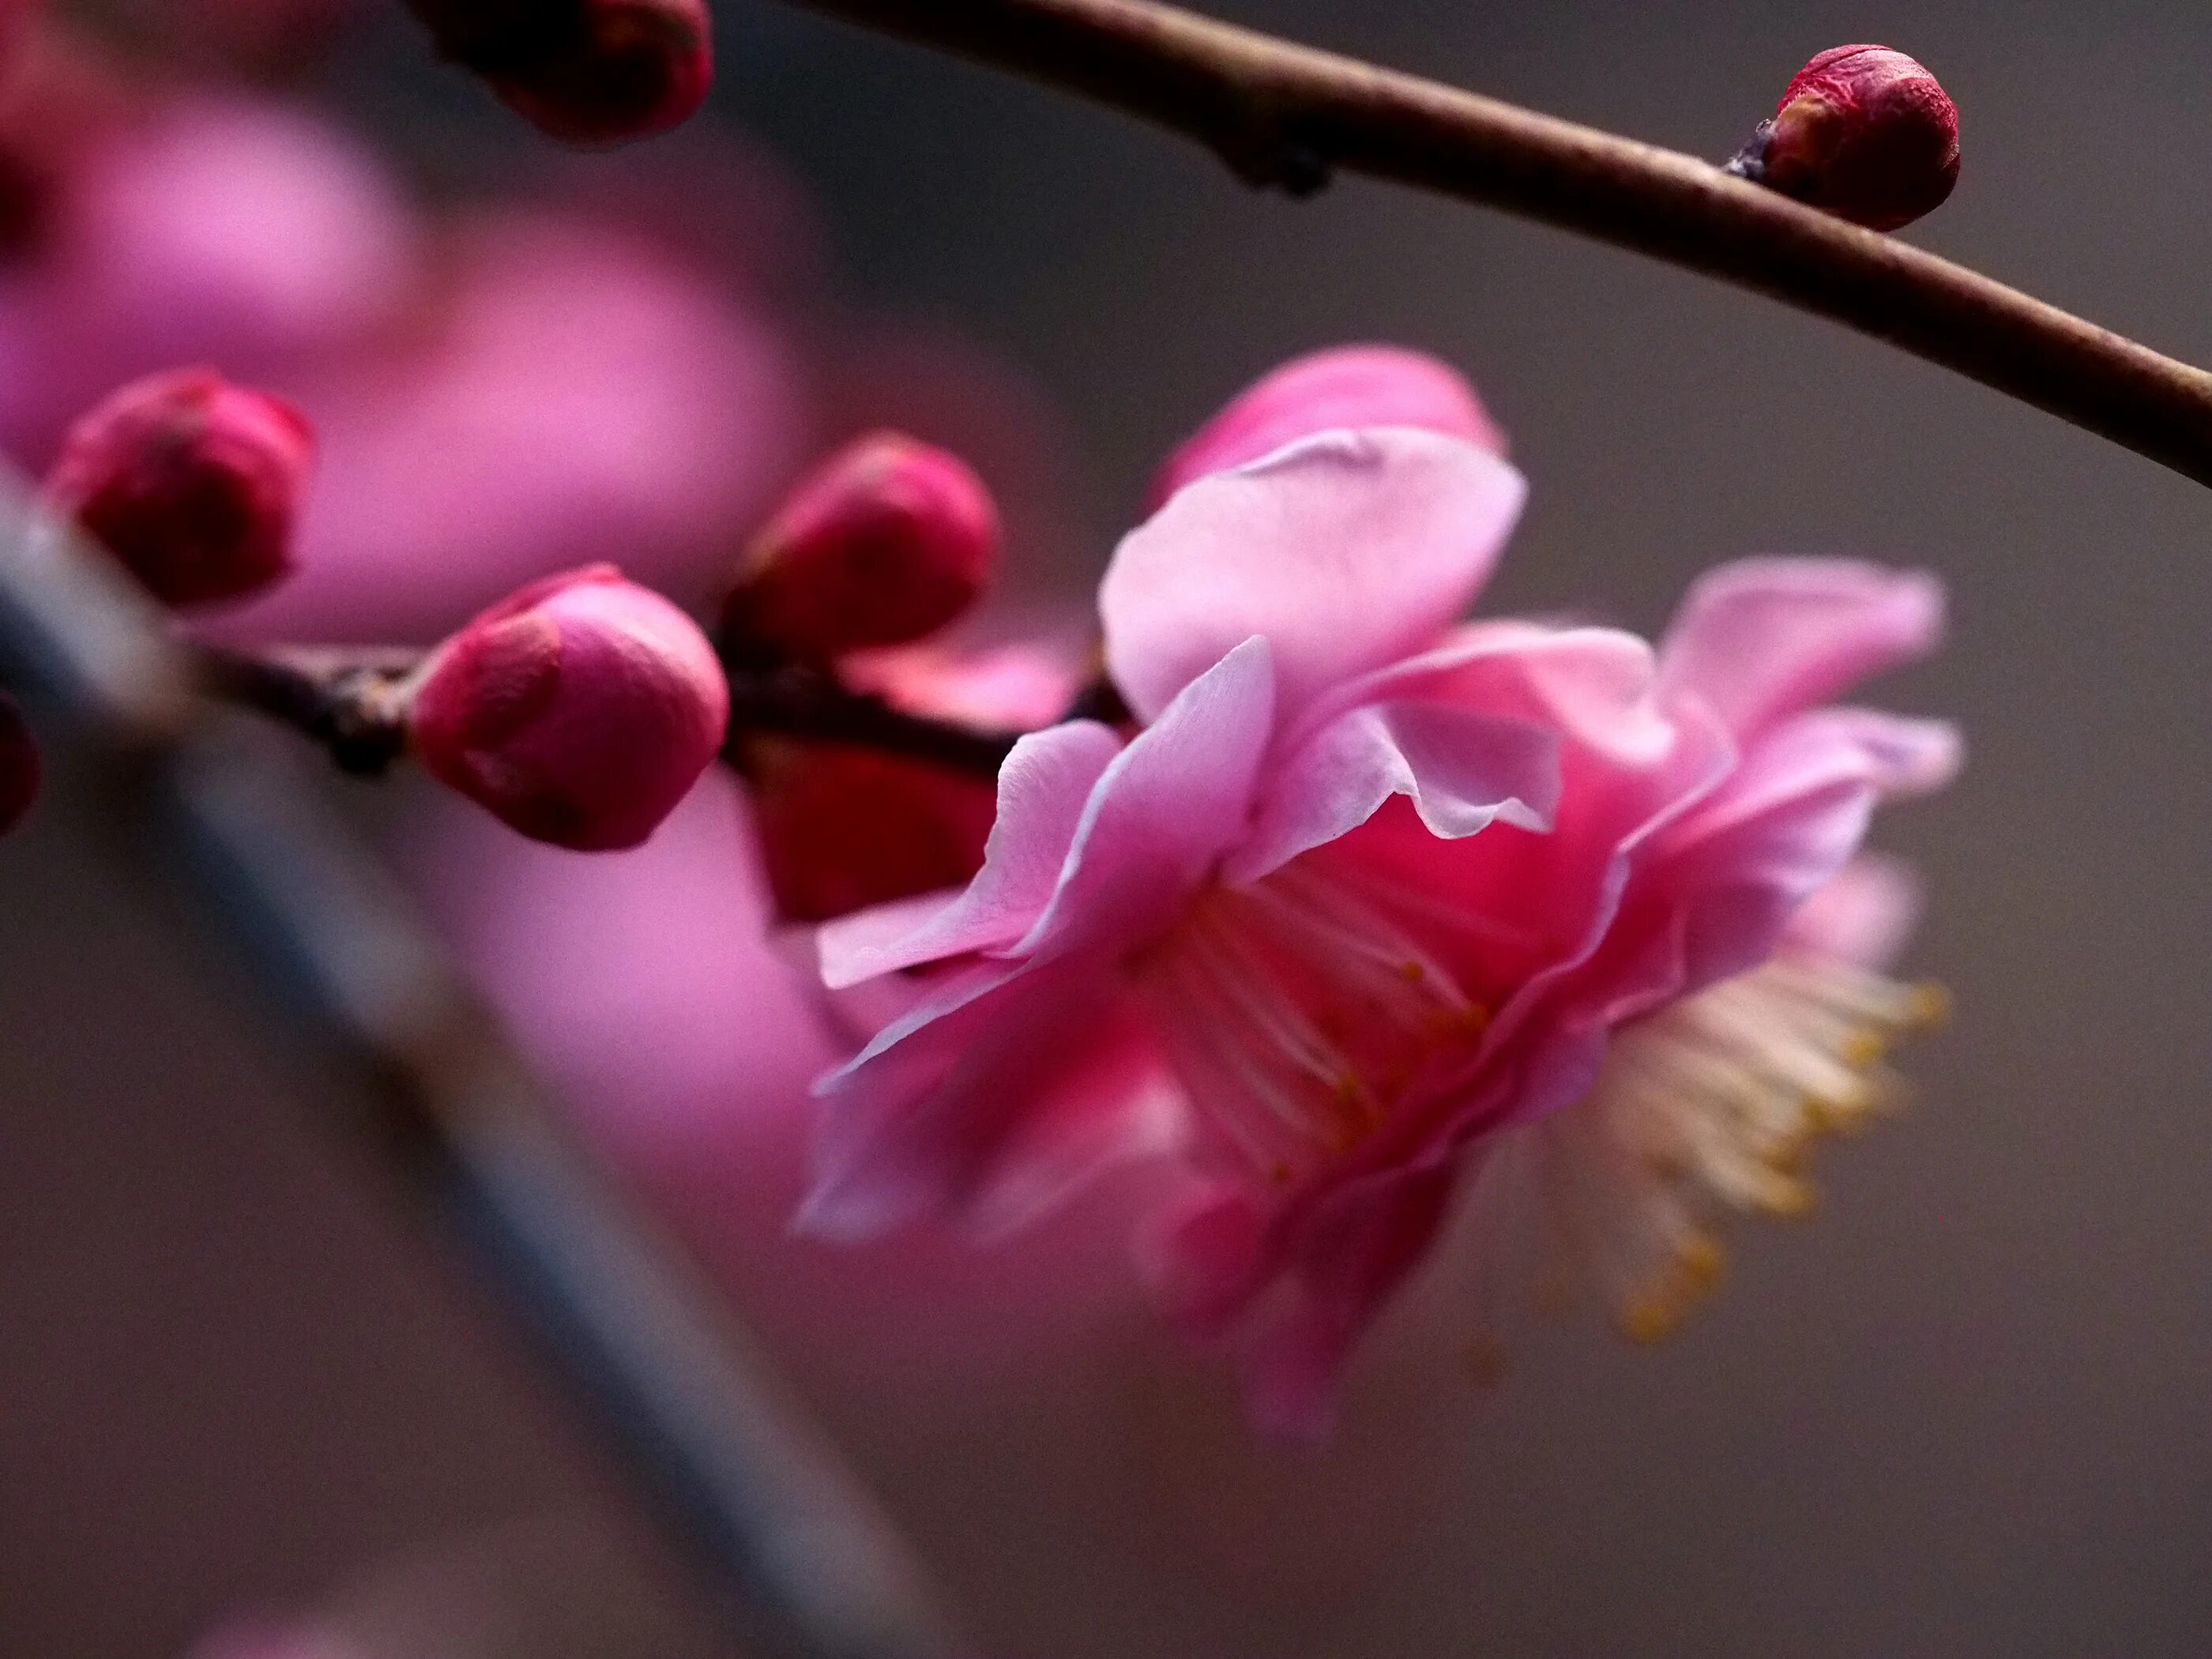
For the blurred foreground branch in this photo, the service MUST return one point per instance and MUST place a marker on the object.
(804, 1565)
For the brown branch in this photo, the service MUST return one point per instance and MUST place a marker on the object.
(800, 702)
(1285, 115)
(347, 701)
(350, 703)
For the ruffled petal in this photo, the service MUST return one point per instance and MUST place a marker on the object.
(1346, 551)
(1164, 812)
(1597, 687)
(1462, 771)
(1762, 639)
(1043, 790)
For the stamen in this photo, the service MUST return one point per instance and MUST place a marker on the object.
(1706, 1109)
(1300, 1015)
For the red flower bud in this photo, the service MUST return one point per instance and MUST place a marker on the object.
(578, 710)
(886, 542)
(1863, 132)
(590, 71)
(191, 482)
(1359, 386)
(841, 828)
(20, 768)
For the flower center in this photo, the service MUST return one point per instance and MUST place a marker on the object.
(1297, 1016)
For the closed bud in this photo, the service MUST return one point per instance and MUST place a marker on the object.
(1864, 133)
(1354, 386)
(193, 483)
(589, 72)
(841, 828)
(19, 766)
(886, 542)
(579, 710)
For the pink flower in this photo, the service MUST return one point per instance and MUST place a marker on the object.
(1367, 896)
(579, 711)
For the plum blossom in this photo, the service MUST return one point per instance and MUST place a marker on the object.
(1369, 903)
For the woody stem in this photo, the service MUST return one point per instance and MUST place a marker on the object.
(1288, 116)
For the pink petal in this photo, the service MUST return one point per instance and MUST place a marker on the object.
(1462, 771)
(1167, 810)
(1764, 638)
(1346, 551)
(1043, 789)
(987, 1109)
(1358, 387)
(1595, 686)
(1862, 916)
(1354, 1256)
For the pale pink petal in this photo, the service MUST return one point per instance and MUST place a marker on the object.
(1356, 387)
(1462, 771)
(1354, 1254)
(1764, 638)
(1905, 758)
(1346, 551)
(1862, 916)
(1168, 809)
(986, 1109)
(1043, 790)
(1595, 686)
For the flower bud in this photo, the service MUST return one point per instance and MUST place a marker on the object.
(19, 766)
(841, 828)
(589, 72)
(1864, 133)
(578, 710)
(886, 542)
(1358, 385)
(191, 482)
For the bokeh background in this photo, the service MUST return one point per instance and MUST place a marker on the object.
(1963, 1411)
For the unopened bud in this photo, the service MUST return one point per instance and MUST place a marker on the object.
(578, 710)
(886, 542)
(1354, 386)
(193, 483)
(19, 766)
(589, 72)
(841, 828)
(1864, 133)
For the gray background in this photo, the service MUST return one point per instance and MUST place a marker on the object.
(1964, 1413)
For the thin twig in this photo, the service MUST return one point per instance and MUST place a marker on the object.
(799, 702)
(348, 702)
(1286, 116)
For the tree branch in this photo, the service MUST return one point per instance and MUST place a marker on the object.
(1286, 116)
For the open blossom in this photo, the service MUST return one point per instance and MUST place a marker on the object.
(1370, 903)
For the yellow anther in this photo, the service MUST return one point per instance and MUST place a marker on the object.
(1930, 1007)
